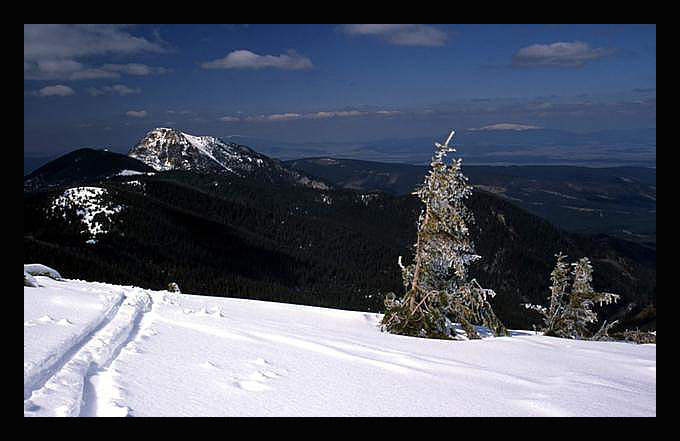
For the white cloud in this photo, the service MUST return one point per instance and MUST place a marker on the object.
(63, 41)
(135, 69)
(388, 112)
(244, 59)
(55, 66)
(90, 74)
(57, 90)
(560, 54)
(116, 89)
(53, 51)
(282, 116)
(137, 113)
(340, 114)
(291, 116)
(72, 70)
(400, 34)
(507, 126)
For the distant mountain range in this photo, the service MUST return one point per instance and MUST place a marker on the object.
(604, 148)
(257, 232)
(619, 201)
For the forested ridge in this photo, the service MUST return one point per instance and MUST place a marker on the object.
(228, 236)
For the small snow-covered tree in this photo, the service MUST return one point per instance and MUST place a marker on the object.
(570, 312)
(553, 315)
(437, 288)
(640, 337)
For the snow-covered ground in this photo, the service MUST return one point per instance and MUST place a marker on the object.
(90, 206)
(94, 349)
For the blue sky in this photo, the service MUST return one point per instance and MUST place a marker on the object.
(107, 85)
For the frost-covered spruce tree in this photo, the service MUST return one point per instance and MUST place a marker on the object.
(437, 288)
(554, 314)
(583, 298)
(570, 312)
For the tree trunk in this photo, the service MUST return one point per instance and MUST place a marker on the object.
(413, 292)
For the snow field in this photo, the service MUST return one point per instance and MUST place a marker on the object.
(164, 354)
(64, 392)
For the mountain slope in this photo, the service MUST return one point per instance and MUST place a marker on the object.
(81, 166)
(93, 349)
(392, 178)
(33, 163)
(618, 201)
(237, 237)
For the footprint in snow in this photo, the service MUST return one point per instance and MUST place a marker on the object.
(170, 300)
(133, 348)
(268, 364)
(149, 332)
(270, 374)
(251, 386)
(257, 376)
(30, 406)
(261, 362)
(212, 311)
(257, 381)
(209, 365)
(47, 319)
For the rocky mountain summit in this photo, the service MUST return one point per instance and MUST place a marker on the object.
(170, 149)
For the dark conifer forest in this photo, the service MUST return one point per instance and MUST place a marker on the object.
(234, 237)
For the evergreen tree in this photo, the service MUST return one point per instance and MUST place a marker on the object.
(570, 313)
(437, 289)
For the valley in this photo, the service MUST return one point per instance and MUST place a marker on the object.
(618, 201)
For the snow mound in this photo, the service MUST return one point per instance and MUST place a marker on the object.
(37, 269)
(130, 173)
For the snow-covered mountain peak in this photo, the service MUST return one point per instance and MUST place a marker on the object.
(171, 149)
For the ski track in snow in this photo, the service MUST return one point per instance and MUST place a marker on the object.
(36, 375)
(245, 361)
(72, 384)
